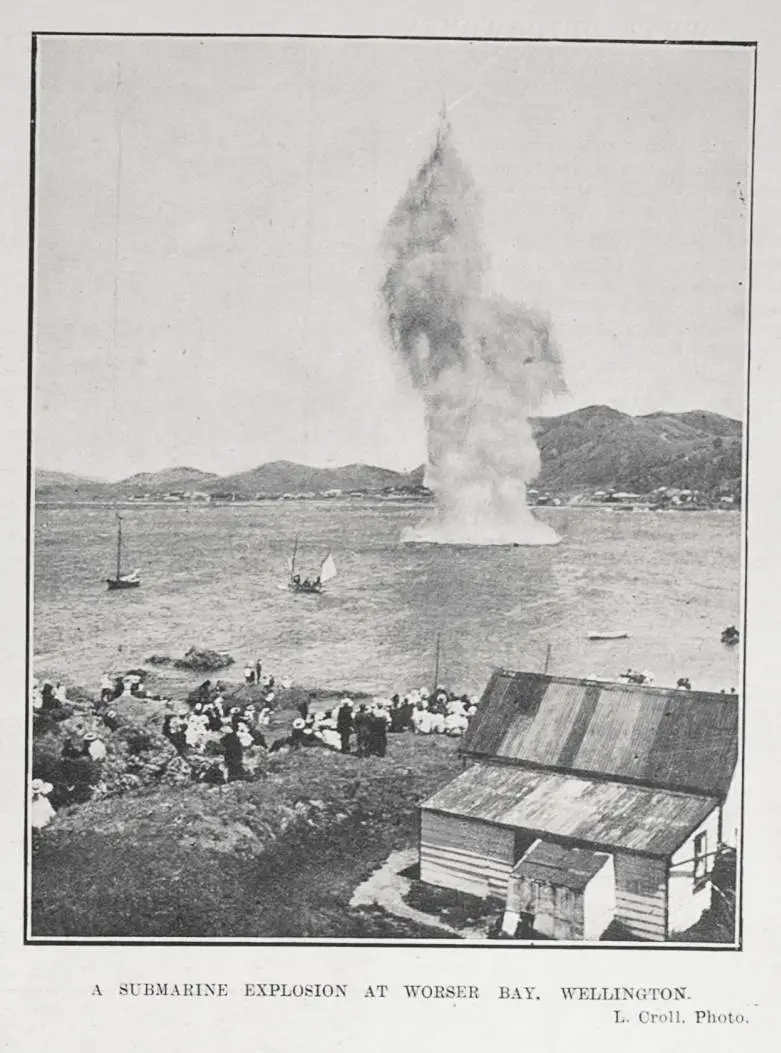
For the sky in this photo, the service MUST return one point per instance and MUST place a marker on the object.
(209, 220)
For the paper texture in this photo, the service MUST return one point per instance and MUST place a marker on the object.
(371, 354)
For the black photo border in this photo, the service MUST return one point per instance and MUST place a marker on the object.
(28, 939)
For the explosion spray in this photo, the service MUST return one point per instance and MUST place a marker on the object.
(481, 364)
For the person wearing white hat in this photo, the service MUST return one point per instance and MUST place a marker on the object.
(195, 730)
(421, 719)
(243, 732)
(106, 688)
(95, 746)
(456, 724)
(309, 738)
(327, 730)
(454, 705)
(437, 722)
(297, 734)
(41, 811)
(378, 730)
(233, 752)
(344, 724)
(407, 711)
(110, 720)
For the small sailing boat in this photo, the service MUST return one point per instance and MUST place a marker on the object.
(122, 581)
(310, 585)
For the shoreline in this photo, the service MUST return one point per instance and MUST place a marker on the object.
(566, 504)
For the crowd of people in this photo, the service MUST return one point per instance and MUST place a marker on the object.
(369, 723)
(361, 727)
(217, 723)
(229, 727)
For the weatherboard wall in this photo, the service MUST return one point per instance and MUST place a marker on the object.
(465, 854)
(641, 896)
(477, 858)
(688, 897)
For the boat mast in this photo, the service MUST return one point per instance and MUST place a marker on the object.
(436, 663)
(119, 544)
(293, 557)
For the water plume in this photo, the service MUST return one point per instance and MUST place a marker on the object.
(481, 363)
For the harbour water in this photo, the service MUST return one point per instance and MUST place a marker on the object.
(214, 576)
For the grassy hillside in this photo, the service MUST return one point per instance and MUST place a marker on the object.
(279, 856)
(599, 447)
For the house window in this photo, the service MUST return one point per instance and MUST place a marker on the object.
(700, 860)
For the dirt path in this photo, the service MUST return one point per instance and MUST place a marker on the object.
(386, 888)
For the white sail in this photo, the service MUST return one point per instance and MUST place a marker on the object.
(328, 568)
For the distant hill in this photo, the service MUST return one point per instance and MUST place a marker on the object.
(64, 486)
(167, 479)
(285, 477)
(592, 448)
(599, 447)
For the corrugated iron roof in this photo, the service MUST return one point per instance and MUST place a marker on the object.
(608, 815)
(570, 868)
(659, 736)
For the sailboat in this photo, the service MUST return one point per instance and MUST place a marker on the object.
(310, 585)
(122, 581)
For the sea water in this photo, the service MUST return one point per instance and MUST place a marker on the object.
(214, 576)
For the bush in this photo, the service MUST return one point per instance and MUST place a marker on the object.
(137, 741)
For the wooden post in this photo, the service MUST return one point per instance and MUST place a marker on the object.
(547, 660)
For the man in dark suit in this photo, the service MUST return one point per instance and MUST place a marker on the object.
(344, 724)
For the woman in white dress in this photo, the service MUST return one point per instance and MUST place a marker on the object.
(41, 811)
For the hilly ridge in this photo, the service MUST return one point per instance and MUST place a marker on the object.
(599, 447)
(595, 447)
(284, 477)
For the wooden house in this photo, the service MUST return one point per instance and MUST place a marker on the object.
(586, 802)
